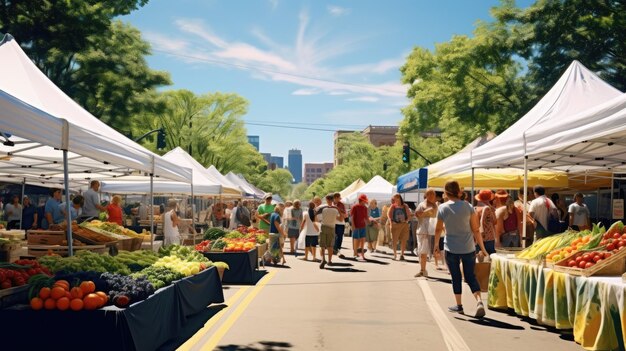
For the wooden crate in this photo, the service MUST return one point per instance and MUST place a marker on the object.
(612, 266)
(42, 250)
(89, 236)
(130, 244)
(46, 237)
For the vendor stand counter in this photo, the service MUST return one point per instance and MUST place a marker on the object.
(145, 325)
(594, 307)
(241, 265)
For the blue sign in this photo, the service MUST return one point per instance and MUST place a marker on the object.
(416, 179)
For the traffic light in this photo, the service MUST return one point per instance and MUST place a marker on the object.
(161, 139)
(406, 152)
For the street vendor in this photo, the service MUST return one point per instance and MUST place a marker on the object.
(52, 210)
(264, 212)
(170, 224)
(92, 207)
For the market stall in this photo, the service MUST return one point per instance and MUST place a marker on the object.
(241, 265)
(144, 325)
(594, 307)
(377, 188)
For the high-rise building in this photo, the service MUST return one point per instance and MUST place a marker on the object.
(294, 160)
(277, 162)
(268, 158)
(314, 171)
(254, 140)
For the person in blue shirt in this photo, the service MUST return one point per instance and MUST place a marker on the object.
(52, 210)
(75, 208)
(276, 232)
(29, 215)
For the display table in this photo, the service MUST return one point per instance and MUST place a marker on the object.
(144, 325)
(241, 265)
(594, 307)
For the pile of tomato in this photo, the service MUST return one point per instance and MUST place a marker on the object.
(588, 259)
(18, 273)
(63, 297)
(614, 241)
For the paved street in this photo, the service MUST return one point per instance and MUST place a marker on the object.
(360, 306)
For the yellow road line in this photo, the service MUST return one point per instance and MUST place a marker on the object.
(219, 334)
(211, 322)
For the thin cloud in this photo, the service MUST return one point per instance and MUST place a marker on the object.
(365, 99)
(274, 4)
(304, 64)
(305, 92)
(337, 10)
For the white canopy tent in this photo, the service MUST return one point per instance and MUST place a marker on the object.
(223, 180)
(28, 100)
(577, 90)
(250, 191)
(377, 188)
(354, 186)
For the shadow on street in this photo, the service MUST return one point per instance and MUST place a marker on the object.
(260, 346)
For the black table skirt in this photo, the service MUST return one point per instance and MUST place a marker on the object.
(144, 325)
(241, 265)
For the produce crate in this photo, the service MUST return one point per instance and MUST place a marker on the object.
(130, 244)
(46, 237)
(612, 266)
(42, 250)
(14, 296)
(89, 236)
(10, 252)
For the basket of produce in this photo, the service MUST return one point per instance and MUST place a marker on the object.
(593, 262)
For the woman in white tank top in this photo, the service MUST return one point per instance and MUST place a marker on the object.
(170, 225)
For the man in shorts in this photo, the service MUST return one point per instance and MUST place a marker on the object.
(359, 219)
(329, 217)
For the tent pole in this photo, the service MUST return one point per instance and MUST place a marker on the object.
(22, 199)
(598, 204)
(193, 219)
(524, 212)
(151, 212)
(472, 194)
(612, 190)
(68, 215)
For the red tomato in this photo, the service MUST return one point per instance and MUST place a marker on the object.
(579, 258)
(610, 247)
(589, 264)
(572, 263)
(582, 264)
(587, 257)
(597, 258)
(617, 235)
(607, 255)
(624, 236)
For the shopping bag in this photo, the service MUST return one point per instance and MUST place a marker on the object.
(481, 271)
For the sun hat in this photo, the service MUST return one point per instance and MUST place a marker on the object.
(363, 197)
(484, 195)
(502, 194)
(267, 196)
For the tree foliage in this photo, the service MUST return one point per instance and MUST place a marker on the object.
(208, 126)
(276, 181)
(471, 85)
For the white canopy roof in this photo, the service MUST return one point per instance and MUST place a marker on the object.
(181, 157)
(356, 185)
(577, 90)
(249, 189)
(225, 182)
(377, 188)
(41, 119)
(594, 139)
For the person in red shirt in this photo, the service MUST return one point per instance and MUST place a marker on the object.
(115, 210)
(359, 219)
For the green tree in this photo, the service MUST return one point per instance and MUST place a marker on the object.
(298, 191)
(75, 44)
(209, 127)
(114, 81)
(277, 181)
(464, 88)
(551, 33)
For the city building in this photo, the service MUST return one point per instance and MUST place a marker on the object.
(294, 160)
(277, 162)
(254, 140)
(314, 171)
(267, 157)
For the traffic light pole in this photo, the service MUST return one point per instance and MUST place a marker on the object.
(420, 155)
(148, 133)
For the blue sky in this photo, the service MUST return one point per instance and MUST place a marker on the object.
(304, 64)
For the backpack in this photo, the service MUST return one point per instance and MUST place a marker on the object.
(243, 216)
